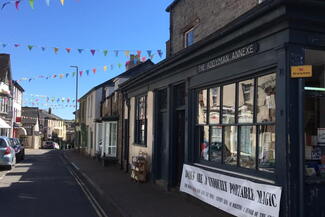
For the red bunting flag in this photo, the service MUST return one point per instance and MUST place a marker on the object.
(17, 4)
(80, 73)
(139, 52)
(94, 71)
(68, 50)
(144, 59)
(93, 51)
(17, 45)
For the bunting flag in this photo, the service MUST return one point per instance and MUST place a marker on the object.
(80, 73)
(73, 74)
(160, 53)
(17, 4)
(31, 3)
(144, 59)
(119, 65)
(105, 68)
(67, 75)
(47, 2)
(94, 71)
(62, 2)
(127, 53)
(93, 52)
(61, 76)
(5, 4)
(87, 71)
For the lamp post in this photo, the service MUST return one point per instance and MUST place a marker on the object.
(75, 114)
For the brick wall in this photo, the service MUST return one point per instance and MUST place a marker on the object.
(207, 16)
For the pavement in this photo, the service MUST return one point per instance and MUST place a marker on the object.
(44, 185)
(119, 196)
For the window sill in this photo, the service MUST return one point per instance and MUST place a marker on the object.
(235, 173)
(139, 145)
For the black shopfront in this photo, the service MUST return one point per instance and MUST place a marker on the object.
(242, 112)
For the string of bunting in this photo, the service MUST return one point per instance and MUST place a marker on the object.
(91, 51)
(51, 99)
(17, 3)
(81, 72)
(49, 105)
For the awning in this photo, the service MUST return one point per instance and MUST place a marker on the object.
(3, 124)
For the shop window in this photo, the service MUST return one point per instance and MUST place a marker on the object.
(141, 120)
(242, 134)
(266, 160)
(266, 98)
(204, 142)
(246, 101)
(202, 106)
(228, 106)
(214, 114)
(247, 146)
(230, 145)
(216, 143)
(314, 115)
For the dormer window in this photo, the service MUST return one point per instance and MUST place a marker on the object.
(189, 37)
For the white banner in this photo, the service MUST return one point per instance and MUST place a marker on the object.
(236, 196)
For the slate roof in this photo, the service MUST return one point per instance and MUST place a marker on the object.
(29, 115)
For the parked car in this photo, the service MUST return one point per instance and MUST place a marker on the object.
(19, 148)
(7, 153)
(50, 145)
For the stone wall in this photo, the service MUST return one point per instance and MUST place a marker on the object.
(206, 16)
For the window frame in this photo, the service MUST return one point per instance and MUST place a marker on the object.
(220, 163)
(186, 34)
(137, 130)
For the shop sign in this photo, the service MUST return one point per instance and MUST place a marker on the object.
(236, 196)
(301, 71)
(229, 57)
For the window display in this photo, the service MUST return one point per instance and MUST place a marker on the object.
(242, 133)
(314, 118)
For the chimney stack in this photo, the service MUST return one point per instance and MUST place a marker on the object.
(50, 111)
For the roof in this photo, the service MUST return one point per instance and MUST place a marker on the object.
(16, 84)
(29, 115)
(127, 74)
(44, 114)
(171, 5)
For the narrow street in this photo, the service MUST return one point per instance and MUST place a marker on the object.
(43, 186)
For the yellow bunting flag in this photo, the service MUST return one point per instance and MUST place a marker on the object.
(127, 53)
(56, 50)
(62, 2)
(105, 68)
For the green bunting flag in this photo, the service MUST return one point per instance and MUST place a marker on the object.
(105, 52)
(31, 3)
(30, 47)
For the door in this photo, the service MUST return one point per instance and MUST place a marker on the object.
(178, 127)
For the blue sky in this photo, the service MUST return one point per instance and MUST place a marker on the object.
(89, 24)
